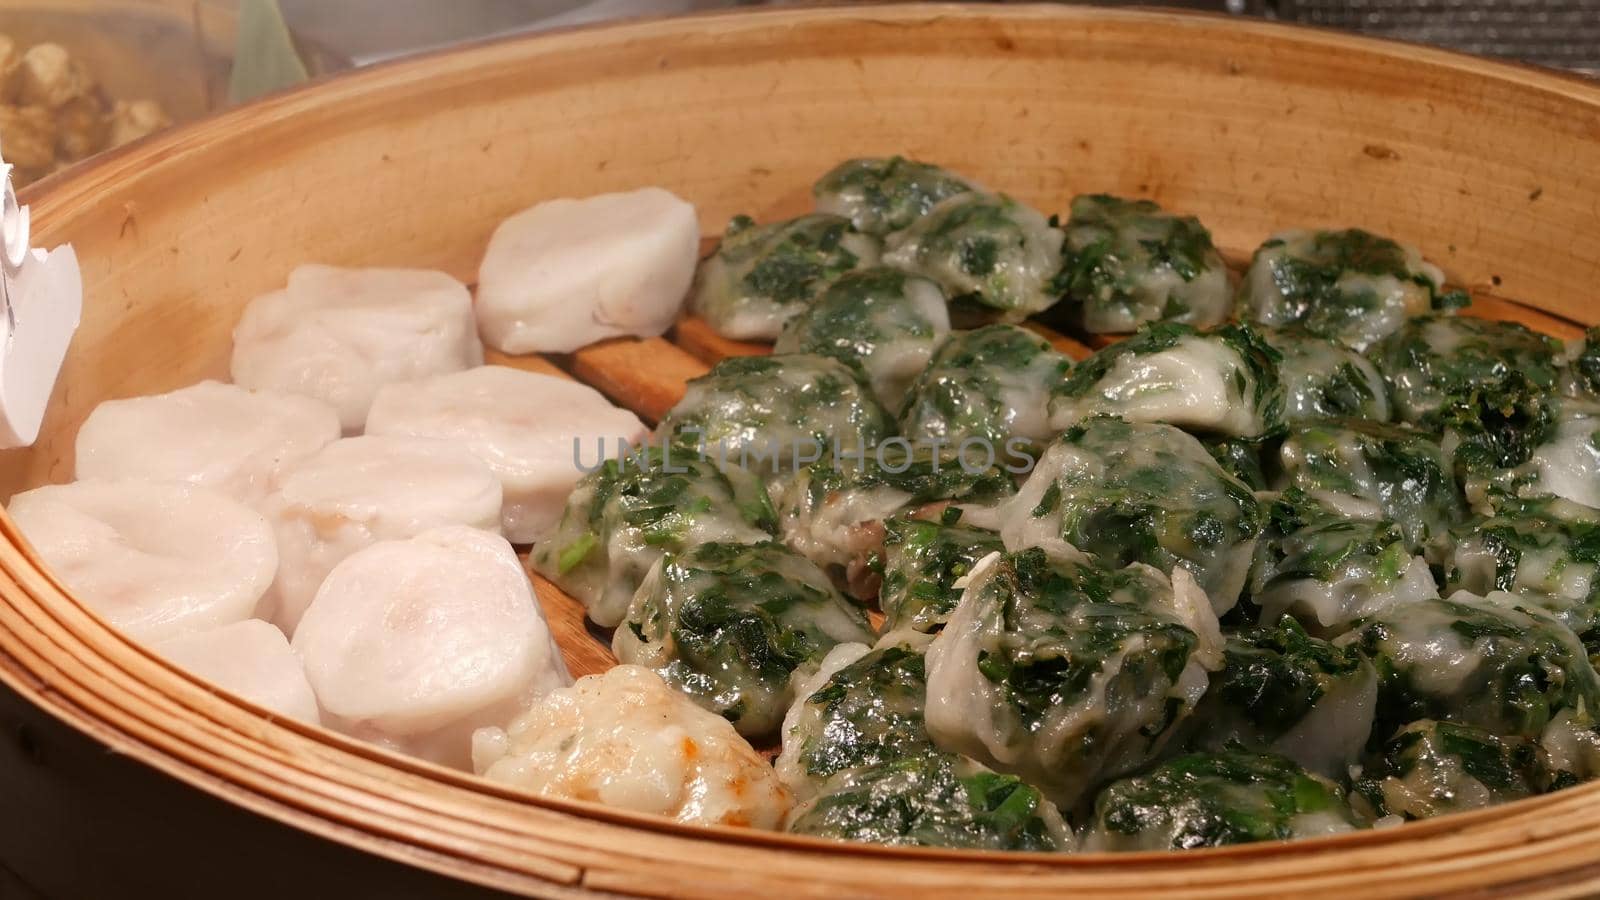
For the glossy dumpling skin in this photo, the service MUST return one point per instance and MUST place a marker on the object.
(1372, 472)
(1580, 376)
(774, 414)
(882, 195)
(761, 276)
(728, 624)
(1352, 285)
(1223, 382)
(858, 756)
(340, 334)
(1499, 663)
(886, 321)
(988, 249)
(1431, 768)
(624, 515)
(1324, 379)
(532, 430)
(1435, 361)
(1545, 549)
(922, 563)
(832, 512)
(252, 659)
(156, 560)
(415, 643)
(992, 384)
(1284, 691)
(1216, 799)
(357, 491)
(1130, 492)
(1066, 672)
(1128, 263)
(1565, 463)
(209, 434)
(627, 740)
(565, 273)
(1330, 569)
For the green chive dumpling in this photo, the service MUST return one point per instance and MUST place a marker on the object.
(1065, 671)
(922, 561)
(991, 384)
(761, 276)
(1352, 286)
(883, 195)
(1129, 263)
(886, 321)
(1433, 360)
(1214, 800)
(989, 249)
(1223, 382)
(1324, 379)
(1430, 768)
(728, 624)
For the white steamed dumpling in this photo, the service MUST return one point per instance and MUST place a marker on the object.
(210, 434)
(156, 560)
(252, 659)
(528, 428)
(357, 491)
(566, 273)
(340, 334)
(416, 643)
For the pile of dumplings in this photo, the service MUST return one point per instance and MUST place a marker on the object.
(1297, 553)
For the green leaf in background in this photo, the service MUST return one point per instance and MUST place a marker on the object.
(264, 59)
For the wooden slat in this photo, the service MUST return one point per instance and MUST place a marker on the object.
(1488, 306)
(646, 375)
(696, 335)
(527, 363)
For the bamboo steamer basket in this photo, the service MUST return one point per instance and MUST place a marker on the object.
(122, 776)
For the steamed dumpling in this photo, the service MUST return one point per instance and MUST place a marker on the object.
(157, 560)
(761, 276)
(340, 334)
(1430, 768)
(991, 384)
(987, 248)
(627, 740)
(415, 643)
(532, 430)
(252, 659)
(210, 434)
(566, 273)
(357, 491)
(883, 195)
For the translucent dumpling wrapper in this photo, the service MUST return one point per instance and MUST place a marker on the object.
(623, 516)
(987, 250)
(1066, 672)
(1364, 470)
(340, 334)
(729, 624)
(1562, 461)
(627, 740)
(832, 512)
(209, 434)
(1214, 800)
(1283, 691)
(1431, 361)
(566, 273)
(1498, 662)
(859, 758)
(536, 432)
(1243, 459)
(775, 414)
(923, 561)
(252, 659)
(1129, 492)
(1547, 550)
(156, 560)
(1580, 375)
(886, 321)
(1223, 382)
(883, 195)
(361, 490)
(1352, 285)
(761, 276)
(1431, 768)
(1129, 263)
(1324, 379)
(1329, 569)
(415, 643)
(990, 385)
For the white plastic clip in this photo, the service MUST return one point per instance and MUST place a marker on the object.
(43, 297)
